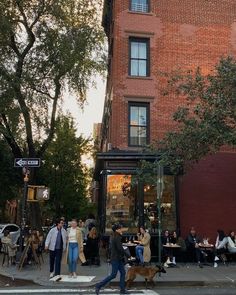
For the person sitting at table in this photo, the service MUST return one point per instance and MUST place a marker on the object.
(143, 251)
(220, 247)
(167, 252)
(231, 242)
(178, 240)
(11, 248)
(192, 244)
(92, 247)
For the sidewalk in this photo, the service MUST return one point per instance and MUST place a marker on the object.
(183, 275)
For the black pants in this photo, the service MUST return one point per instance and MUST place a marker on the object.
(194, 254)
(55, 260)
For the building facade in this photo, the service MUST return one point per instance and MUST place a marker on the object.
(147, 38)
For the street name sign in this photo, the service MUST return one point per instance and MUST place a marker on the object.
(27, 162)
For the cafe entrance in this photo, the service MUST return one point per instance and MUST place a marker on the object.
(122, 198)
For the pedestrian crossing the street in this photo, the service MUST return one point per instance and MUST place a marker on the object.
(63, 291)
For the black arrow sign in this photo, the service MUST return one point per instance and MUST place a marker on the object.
(27, 162)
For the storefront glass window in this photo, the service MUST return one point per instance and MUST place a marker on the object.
(121, 203)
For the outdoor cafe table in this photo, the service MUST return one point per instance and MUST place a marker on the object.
(172, 246)
(131, 247)
(208, 248)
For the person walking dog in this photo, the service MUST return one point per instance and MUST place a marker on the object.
(117, 261)
(56, 244)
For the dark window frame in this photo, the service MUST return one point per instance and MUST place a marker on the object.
(139, 104)
(141, 40)
(137, 11)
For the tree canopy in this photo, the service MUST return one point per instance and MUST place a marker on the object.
(64, 171)
(10, 179)
(207, 121)
(47, 48)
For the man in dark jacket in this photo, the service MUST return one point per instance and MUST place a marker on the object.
(192, 244)
(117, 260)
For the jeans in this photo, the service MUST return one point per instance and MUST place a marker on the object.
(55, 261)
(73, 253)
(117, 265)
(139, 253)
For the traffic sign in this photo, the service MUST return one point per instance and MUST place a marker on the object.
(38, 193)
(27, 162)
(43, 193)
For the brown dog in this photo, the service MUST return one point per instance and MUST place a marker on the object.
(148, 272)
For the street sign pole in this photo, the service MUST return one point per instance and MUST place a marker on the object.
(25, 164)
(24, 202)
(159, 195)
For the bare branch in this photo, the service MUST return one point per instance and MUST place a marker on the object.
(40, 12)
(53, 118)
(6, 132)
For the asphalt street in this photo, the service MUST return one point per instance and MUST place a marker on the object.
(65, 291)
(160, 291)
(197, 291)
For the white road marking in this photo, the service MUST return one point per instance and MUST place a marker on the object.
(230, 279)
(74, 291)
(78, 279)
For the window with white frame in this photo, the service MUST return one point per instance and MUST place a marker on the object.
(139, 5)
(138, 124)
(139, 57)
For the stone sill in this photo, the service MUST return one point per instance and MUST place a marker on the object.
(142, 13)
(139, 78)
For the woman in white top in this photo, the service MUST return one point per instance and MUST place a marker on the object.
(73, 248)
(231, 242)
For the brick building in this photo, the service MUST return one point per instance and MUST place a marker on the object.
(147, 37)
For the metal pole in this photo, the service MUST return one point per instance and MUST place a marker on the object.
(159, 195)
(23, 213)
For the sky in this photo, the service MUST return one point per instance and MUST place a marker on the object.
(93, 109)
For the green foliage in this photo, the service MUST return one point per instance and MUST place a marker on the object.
(47, 48)
(10, 178)
(65, 173)
(207, 122)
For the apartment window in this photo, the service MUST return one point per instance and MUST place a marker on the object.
(138, 124)
(139, 57)
(139, 5)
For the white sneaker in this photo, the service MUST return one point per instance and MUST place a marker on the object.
(166, 265)
(51, 275)
(215, 264)
(217, 258)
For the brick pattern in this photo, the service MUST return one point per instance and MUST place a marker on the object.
(183, 35)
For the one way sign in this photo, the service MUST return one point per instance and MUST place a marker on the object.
(27, 162)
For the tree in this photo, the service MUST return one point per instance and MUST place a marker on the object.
(9, 177)
(47, 48)
(65, 173)
(207, 122)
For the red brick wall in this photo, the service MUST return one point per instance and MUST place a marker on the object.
(183, 34)
(207, 196)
